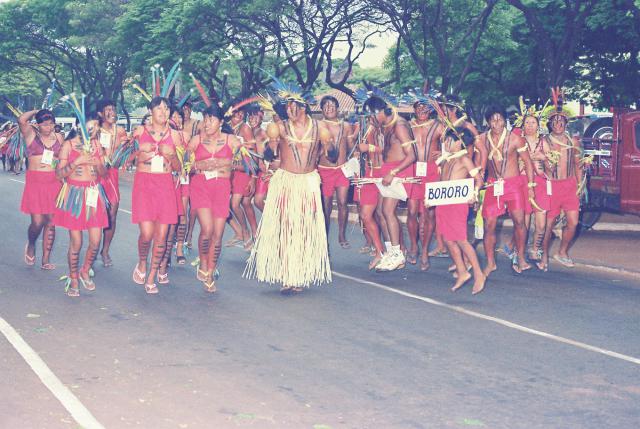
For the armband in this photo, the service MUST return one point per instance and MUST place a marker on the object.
(372, 148)
(474, 172)
(522, 149)
(532, 185)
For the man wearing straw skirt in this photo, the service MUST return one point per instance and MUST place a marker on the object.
(291, 244)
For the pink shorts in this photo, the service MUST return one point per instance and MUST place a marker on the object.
(211, 194)
(368, 194)
(154, 198)
(184, 189)
(262, 186)
(417, 192)
(65, 216)
(407, 172)
(40, 191)
(239, 182)
(330, 179)
(451, 221)
(512, 200)
(563, 197)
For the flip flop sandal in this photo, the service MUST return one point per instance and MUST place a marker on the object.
(163, 279)
(48, 266)
(233, 242)
(138, 276)
(542, 266)
(151, 289)
(567, 262)
(412, 259)
(29, 260)
(209, 286)
(106, 261)
(364, 250)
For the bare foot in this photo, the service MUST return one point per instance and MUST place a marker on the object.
(374, 262)
(462, 279)
(489, 269)
(478, 285)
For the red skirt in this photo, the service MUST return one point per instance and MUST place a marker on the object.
(213, 194)
(154, 198)
(178, 187)
(111, 185)
(418, 189)
(40, 191)
(74, 214)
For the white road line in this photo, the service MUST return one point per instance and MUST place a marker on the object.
(499, 321)
(125, 210)
(16, 180)
(68, 400)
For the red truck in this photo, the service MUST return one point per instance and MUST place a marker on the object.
(614, 176)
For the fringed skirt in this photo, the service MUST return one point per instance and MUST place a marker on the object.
(72, 211)
(291, 244)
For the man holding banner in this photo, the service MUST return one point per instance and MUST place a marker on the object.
(502, 149)
(460, 181)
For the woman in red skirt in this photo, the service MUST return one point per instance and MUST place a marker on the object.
(154, 204)
(41, 184)
(210, 189)
(82, 204)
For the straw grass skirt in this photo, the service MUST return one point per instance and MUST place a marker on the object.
(291, 245)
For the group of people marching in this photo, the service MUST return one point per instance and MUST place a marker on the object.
(217, 169)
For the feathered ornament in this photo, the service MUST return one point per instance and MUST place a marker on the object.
(558, 108)
(289, 91)
(78, 109)
(232, 109)
(203, 93)
(247, 159)
(161, 84)
(124, 153)
(48, 98)
(16, 145)
(528, 111)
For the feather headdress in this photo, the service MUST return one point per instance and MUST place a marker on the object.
(528, 111)
(161, 84)
(558, 108)
(283, 91)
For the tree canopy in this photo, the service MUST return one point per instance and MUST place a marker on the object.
(487, 51)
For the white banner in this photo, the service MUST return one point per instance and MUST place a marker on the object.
(448, 192)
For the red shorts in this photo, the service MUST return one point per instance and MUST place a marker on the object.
(368, 194)
(330, 179)
(417, 192)
(262, 186)
(211, 194)
(154, 198)
(96, 218)
(184, 189)
(111, 185)
(512, 200)
(451, 221)
(239, 182)
(563, 197)
(40, 191)
(407, 172)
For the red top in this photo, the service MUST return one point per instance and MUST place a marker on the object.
(224, 152)
(37, 147)
(146, 137)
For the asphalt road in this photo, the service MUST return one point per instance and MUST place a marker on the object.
(394, 350)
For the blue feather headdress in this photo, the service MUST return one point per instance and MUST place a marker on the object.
(282, 91)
